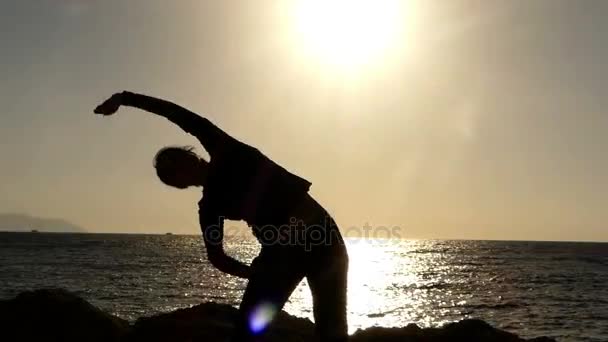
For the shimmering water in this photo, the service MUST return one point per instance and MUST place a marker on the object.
(530, 288)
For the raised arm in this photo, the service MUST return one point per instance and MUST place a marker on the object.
(212, 227)
(210, 136)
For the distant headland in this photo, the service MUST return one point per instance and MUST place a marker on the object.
(26, 223)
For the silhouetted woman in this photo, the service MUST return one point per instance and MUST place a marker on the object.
(298, 237)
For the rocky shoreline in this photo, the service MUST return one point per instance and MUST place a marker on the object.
(58, 315)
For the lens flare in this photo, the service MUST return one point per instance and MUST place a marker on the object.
(261, 317)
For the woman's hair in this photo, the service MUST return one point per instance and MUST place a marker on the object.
(169, 159)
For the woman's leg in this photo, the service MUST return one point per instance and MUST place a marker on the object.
(327, 268)
(328, 289)
(328, 286)
(274, 277)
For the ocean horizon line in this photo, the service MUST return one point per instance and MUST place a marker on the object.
(246, 235)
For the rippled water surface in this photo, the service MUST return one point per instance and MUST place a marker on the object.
(530, 288)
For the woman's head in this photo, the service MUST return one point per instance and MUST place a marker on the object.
(180, 167)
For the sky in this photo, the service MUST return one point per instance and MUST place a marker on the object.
(466, 119)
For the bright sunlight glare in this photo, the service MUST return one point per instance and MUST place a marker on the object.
(349, 32)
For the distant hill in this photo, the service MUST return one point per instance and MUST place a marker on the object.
(26, 223)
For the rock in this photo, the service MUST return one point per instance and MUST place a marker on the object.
(58, 315)
(213, 322)
(471, 330)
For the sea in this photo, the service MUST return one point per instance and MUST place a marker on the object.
(555, 289)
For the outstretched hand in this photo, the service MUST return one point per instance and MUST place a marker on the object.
(110, 106)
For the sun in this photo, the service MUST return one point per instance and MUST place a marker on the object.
(348, 33)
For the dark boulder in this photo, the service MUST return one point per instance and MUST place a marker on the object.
(470, 330)
(213, 322)
(56, 315)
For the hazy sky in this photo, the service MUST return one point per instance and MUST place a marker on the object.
(482, 119)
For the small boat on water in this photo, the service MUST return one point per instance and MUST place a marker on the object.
(34, 231)
(168, 233)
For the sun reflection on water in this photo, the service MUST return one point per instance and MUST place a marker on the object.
(386, 285)
(372, 269)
